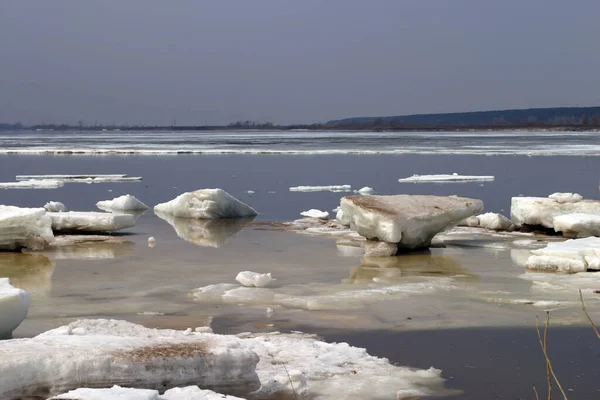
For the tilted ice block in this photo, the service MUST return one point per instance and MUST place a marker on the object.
(577, 225)
(542, 210)
(14, 305)
(126, 202)
(409, 221)
(24, 227)
(102, 353)
(85, 221)
(206, 204)
(574, 255)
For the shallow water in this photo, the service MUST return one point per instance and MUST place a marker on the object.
(321, 287)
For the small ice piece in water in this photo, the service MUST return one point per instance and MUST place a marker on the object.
(203, 329)
(151, 241)
(90, 221)
(126, 202)
(14, 305)
(250, 191)
(206, 204)
(314, 213)
(254, 279)
(366, 190)
(571, 256)
(566, 197)
(32, 184)
(447, 178)
(24, 227)
(269, 311)
(55, 206)
(577, 225)
(332, 188)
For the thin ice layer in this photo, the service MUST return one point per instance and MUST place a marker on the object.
(410, 221)
(446, 178)
(206, 204)
(126, 202)
(24, 227)
(85, 221)
(330, 188)
(32, 184)
(14, 305)
(101, 353)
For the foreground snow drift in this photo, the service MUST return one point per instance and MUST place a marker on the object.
(574, 255)
(32, 184)
(206, 204)
(542, 210)
(90, 221)
(14, 305)
(126, 202)
(101, 353)
(409, 221)
(446, 178)
(24, 227)
(117, 392)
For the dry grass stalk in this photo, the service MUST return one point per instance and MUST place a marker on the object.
(537, 397)
(549, 369)
(588, 315)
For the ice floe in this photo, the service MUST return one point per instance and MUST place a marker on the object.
(492, 221)
(205, 232)
(24, 227)
(101, 353)
(365, 190)
(126, 202)
(81, 178)
(84, 221)
(573, 255)
(314, 213)
(55, 206)
(206, 204)
(32, 184)
(446, 178)
(331, 188)
(254, 279)
(14, 305)
(577, 225)
(538, 211)
(117, 392)
(409, 221)
(151, 241)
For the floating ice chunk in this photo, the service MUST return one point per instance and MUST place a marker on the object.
(566, 197)
(32, 184)
(542, 210)
(206, 204)
(195, 393)
(81, 178)
(335, 210)
(115, 392)
(447, 178)
(314, 213)
(574, 255)
(409, 221)
(24, 227)
(332, 188)
(577, 225)
(100, 353)
(151, 241)
(254, 279)
(205, 232)
(365, 190)
(250, 191)
(126, 202)
(83, 221)
(494, 221)
(55, 206)
(14, 305)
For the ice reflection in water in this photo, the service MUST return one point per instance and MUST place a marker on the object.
(205, 232)
(31, 272)
(92, 247)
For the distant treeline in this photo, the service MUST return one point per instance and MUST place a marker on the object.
(567, 118)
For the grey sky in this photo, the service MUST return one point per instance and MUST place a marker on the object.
(153, 61)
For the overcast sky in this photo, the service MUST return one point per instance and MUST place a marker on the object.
(155, 61)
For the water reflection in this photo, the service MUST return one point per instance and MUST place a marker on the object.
(205, 232)
(31, 272)
(79, 249)
(135, 213)
(392, 269)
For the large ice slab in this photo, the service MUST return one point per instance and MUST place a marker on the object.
(126, 202)
(577, 225)
(329, 188)
(32, 184)
(206, 204)
(24, 227)
(102, 353)
(542, 210)
(123, 393)
(14, 305)
(573, 255)
(447, 178)
(409, 221)
(205, 232)
(84, 221)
